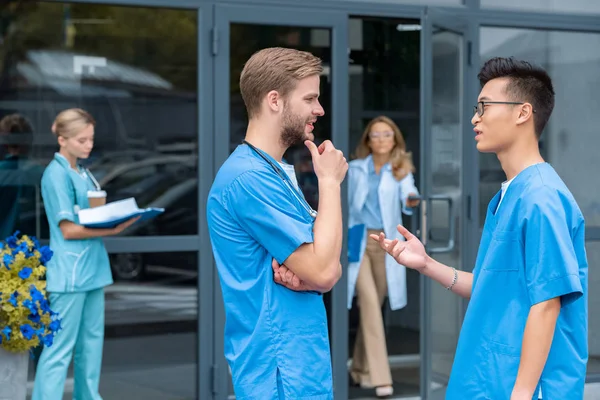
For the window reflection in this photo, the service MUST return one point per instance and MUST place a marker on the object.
(135, 71)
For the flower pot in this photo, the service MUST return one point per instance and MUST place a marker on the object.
(13, 375)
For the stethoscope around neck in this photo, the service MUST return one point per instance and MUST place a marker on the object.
(285, 179)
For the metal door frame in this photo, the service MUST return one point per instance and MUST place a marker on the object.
(337, 22)
(443, 18)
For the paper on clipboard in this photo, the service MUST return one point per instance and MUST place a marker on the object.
(112, 214)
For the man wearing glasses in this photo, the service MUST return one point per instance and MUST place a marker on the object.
(524, 334)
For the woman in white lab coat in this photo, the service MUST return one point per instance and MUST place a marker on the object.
(381, 188)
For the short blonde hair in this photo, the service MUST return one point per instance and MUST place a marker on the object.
(275, 68)
(69, 123)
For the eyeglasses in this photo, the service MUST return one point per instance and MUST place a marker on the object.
(381, 135)
(480, 107)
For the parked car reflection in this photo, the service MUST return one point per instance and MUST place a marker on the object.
(168, 182)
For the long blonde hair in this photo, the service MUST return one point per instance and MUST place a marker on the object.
(400, 159)
(70, 122)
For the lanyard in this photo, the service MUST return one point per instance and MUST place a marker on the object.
(285, 180)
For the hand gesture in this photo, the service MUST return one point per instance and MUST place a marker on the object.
(124, 225)
(328, 162)
(283, 276)
(410, 253)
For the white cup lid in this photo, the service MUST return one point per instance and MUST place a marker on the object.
(96, 194)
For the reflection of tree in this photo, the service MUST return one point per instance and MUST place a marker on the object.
(16, 35)
(159, 40)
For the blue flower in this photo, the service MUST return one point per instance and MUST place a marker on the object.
(11, 241)
(31, 306)
(27, 331)
(8, 260)
(22, 248)
(36, 295)
(45, 306)
(46, 254)
(35, 318)
(47, 340)
(25, 273)
(36, 243)
(55, 326)
(6, 331)
(13, 299)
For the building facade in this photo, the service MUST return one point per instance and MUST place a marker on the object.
(161, 79)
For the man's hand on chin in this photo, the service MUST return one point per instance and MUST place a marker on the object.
(283, 276)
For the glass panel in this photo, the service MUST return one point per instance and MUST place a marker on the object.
(135, 71)
(245, 40)
(575, 6)
(158, 312)
(384, 66)
(446, 169)
(570, 141)
(593, 253)
(421, 2)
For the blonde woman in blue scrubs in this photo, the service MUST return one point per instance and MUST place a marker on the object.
(79, 270)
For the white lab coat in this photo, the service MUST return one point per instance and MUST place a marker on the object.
(393, 195)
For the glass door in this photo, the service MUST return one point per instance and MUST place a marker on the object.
(239, 32)
(443, 64)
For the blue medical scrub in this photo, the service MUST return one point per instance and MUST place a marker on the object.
(276, 339)
(76, 277)
(532, 250)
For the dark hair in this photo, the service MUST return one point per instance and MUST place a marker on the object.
(16, 124)
(527, 83)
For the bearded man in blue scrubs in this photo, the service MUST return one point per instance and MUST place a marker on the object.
(276, 339)
(525, 330)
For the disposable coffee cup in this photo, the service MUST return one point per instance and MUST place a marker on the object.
(96, 198)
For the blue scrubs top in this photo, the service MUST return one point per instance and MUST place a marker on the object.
(77, 265)
(532, 250)
(276, 339)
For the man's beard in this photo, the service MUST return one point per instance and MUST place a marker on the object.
(292, 129)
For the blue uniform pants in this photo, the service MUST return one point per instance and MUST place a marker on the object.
(82, 325)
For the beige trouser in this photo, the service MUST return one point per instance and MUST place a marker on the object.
(370, 365)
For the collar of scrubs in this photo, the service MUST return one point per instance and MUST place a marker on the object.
(291, 173)
(275, 163)
(515, 186)
(65, 164)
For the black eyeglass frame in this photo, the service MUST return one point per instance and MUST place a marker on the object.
(481, 105)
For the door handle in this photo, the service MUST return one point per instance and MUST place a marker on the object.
(451, 222)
